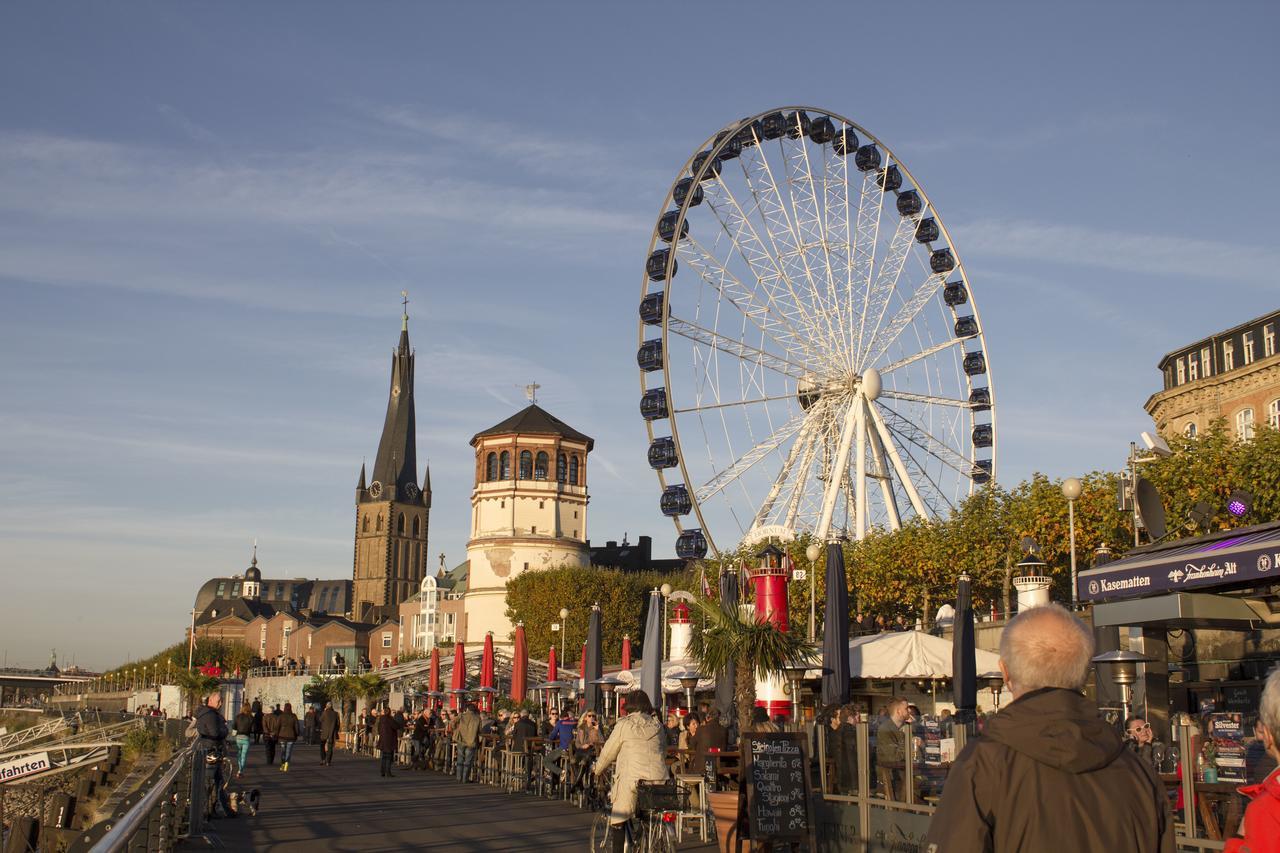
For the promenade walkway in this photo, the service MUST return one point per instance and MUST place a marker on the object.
(349, 807)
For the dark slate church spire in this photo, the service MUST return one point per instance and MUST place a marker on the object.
(394, 475)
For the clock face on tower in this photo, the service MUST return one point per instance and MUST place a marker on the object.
(375, 489)
(410, 491)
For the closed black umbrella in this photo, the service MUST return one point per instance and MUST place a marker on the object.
(964, 663)
(725, 680)
(595, 666)
(651, 671)
(835, 631)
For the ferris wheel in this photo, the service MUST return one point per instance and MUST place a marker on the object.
(811, 357)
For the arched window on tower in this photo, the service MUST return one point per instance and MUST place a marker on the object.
(417, 527)
(562, 468)
(504, 466)
(365, 527)
(378, 528)
(573, 471)
(540, 466)
(491, 467)
(526, 465)
(400, 524)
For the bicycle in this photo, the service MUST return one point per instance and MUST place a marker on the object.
(651, 829)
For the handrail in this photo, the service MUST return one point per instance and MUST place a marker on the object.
(118, 836)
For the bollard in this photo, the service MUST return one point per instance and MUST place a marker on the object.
(61, 810)
(84, 789)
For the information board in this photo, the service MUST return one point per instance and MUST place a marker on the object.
(777, 789)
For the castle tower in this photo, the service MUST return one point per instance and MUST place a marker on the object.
(770, 581)
(528, 511)
(392, 511)
(252, 578)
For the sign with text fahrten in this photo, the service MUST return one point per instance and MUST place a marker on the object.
(27, 765)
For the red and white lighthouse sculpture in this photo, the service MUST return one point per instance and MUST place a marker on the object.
(681, 633)
(770, 578)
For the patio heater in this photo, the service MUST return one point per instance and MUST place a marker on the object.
(993, 681)
(795, 673)
(1124, 672)
(610, 685)
(689, 681)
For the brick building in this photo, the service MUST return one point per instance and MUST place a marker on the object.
(1234, 375)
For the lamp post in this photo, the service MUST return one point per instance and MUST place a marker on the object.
(794, 673)
(1071, 489)
(564, 633)
(665, 589)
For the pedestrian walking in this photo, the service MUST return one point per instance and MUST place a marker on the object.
(1260, 829)
(388, 741)
(1048, 773)
(466, 734)
(257, 720)
(270, 733)
(330, 725)
(244, 734)
(210, 746)
(309, 724)
(287, 730)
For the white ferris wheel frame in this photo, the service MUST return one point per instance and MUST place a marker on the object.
(861, 424)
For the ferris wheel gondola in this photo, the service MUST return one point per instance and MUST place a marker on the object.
(810, 354)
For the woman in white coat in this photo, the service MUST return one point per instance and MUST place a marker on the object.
(636, 746)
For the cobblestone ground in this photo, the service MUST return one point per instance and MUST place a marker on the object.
(348, 806)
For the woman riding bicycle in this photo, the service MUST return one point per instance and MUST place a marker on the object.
(636, 746)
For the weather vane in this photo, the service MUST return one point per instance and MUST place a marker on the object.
(531, 391)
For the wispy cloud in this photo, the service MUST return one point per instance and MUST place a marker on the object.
(1129, 252)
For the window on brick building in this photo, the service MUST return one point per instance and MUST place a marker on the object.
(562, 468)
(1228, 355)
(1244, 424)
(1268, 340)
(491, 467)
(540, 463)
(504, 466)
(1193, 367)
(386, 640)
(526, 465)
(1182, 371)
(1273, 414)
(1248, 347)
(1190, 430)
(1206, 365)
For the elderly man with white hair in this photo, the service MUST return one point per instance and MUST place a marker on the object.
(1261, 827)
(1048, 774)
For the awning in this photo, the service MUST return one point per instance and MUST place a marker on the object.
(1226, 559)
(908, 654)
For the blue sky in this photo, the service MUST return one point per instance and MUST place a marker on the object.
(208, 211)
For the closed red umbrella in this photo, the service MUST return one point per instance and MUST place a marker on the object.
(459, 679)
(486, 671)
(520, 666)
(553, 669)
(626, 651)
(433, 681)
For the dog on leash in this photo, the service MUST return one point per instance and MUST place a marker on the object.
(245, 802)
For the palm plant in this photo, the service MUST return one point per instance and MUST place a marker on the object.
(341, 688)
(370, 687)
(195, 685)
(757, 648)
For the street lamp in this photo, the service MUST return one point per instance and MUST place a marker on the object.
(564, 632)
(1071, 489)
(665, 589)
(1124, 672)
(794, 673)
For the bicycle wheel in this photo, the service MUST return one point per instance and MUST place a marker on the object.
(600, 829)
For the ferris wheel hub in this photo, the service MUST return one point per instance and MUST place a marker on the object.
(871, 386)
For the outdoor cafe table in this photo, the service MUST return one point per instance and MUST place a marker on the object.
(1208, 796)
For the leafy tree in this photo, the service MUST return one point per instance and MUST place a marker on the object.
(756, 647)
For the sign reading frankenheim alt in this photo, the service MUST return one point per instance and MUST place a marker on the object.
(1227, 562)
(27, 765)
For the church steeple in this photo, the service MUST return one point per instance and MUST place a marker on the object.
(395, 475)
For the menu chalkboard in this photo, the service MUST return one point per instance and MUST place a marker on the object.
(777, 788)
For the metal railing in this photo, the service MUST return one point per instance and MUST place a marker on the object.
(162, 811)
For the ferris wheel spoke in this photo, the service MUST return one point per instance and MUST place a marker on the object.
(886, 283)
(799, 448)
(924, 353)
(866, 236)
(912, 432)
(813, 237)
(885, 479)
(906, 315)
(837, 244)
(710, 406)
(748, 246)
(784, 240)
(930, 492)
(731, 346)
(907, 396)
(749, 459)
(769, 317)
(802, 481)
(899, 464)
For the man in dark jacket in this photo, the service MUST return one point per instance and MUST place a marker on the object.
(710, 735)
(257, 720)
(330, 725)
(212, 732)
(271, 733)
(287, 730)
(1048, 773)
(891, 750)
(388, 728)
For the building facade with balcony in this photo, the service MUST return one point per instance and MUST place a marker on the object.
(1233, 375)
